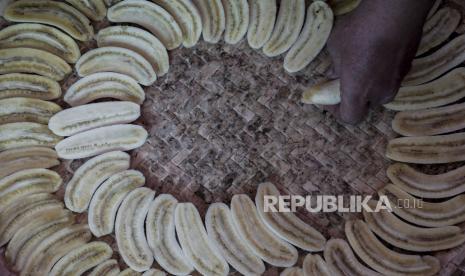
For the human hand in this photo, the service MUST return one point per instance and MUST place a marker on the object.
(372, 49)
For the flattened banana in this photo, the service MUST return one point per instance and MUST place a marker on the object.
(107, 199)
(341, 7)
(154, 272)
(342, 261)
(13, 210)
(289, 23)
(101, 140)
(384, 260)
(161, 236)
(406, 236)
(15, 160)
(21, 238)
(29, 60)
(106, 268)
(129, 272)
(314, 265)
(312, 39)
(430, 67)
(27, 182)
(287, 225)
(427, 214)
(14, 110)
(17, 135)
(187, 16)
(438, 29)
(428, 149)
(118, 60)
(426, 185)
(24, 253)
(30, 86)
(82, 258)
(431, 121)
(261, 22)
(258, 236)
(445, 90)
(94, 9)
(237, 20)
(130, 230)
(292, 271)
(197, 246)
(213, 19)
(221, 230)
(150, 16)
(85, 117)
(90, 175)
(42, 37)
(54, 247)
(434, 8)
(326, 93)
(55, 13)
(139, 41)
(104, 85)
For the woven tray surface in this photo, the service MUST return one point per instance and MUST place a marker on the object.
(226, 118)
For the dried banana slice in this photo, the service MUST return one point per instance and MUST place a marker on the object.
(90, 175)
(54, 247)
(82, 258)
(406, 236)
(289, 23)
(431, 121)
(312, 39)
(287, 225)
(261, 22)
(326, 93)
(30, 86)
(24, 237)
(29, 60)
(438, 29)
(383, 259)
(426, 185)
(237, 20)
(27, 182)
(427, 214)
(85, 117)
(161, 236)
(101, 140)
(104, 85)
(118, 60)
(314, 265)
(341, 7)
(15, 160)
(25, 134)
(130, 230)
(221, 230)
(187, 16)
(430, 67)
(42, 37)
(24, 253)
(445, 90)
(107, 199)
(292, 271)
(139, 41)
(150, 16)
(55, 13)
(197, 246)
(213, 19)
(94, 9)
(258, 236)
(129, 272)
(342, 261)
(14, 110)
(106, 268)
(428, 149)
(154, 272)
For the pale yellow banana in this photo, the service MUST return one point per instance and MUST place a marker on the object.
(237, 20)
(17, 135)
(213, 19)
(261, 22)
(14, 110)
(106, 268)
(19, 159)
(93, 9)
(314, 265)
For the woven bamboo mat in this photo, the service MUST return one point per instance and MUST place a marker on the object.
(226, 118)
